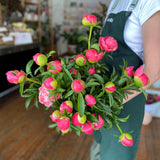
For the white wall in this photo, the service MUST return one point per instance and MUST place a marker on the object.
(58, 15)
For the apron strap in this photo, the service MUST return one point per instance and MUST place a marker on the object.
(114, 5)
(131, 7)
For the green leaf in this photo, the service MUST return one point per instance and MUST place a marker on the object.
(50, 53)
(92, 118)
(91, 84)
(28, 66)
(99, 27)
(69, 94)
(82, 38)
(81, 104)
(101, 94)
(99, 78)
(28, 101)
(122, 81)
(67, 73)
(95, 46)
(52, 125)
(21, 88)
(145, 94)
(36, 101)
(111, 100)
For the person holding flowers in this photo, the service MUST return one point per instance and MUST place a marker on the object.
(135, 25)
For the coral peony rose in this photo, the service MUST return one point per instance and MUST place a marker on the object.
(87, 128)
(129, 71)
(81, 60)
(77, 120)
(89, 20)
(91, 71)
(50, 83)
(140, 78)
(109, 44)
(90, 100)
(57, 64)
(110, 87)
(68, 105)
(40, 59)
(15, 76)
(93, 56)
(100, 123)
(55, 116)
(126, 139)
(63, 124)
(78, 85)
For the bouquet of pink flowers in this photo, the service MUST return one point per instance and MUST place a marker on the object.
(81, 94)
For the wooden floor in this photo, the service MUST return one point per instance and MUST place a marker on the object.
(24, 135)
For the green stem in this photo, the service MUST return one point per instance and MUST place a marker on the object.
(128, 86)
(119, 128)
(97, 108)
(104, 53)
(31, 80)
(89, 39)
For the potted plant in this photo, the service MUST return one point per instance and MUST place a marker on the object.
(72, 40)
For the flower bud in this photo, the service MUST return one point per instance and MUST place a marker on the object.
(68, 105)
(126, 139)
(89, 20)
(50, 83)
(87, 128)
(77, 120)
(78, 85)
(63, 124)
(100, 123)
(90, 100)
(40, 59)
(57, 64)
(129, 71)
(140, 78)
(55, 116)
(109, 44)
(91, 71)
(15, 76)
(74, 71)
(110, 87)
(81, 60)
(93, 56)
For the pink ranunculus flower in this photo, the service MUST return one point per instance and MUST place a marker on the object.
(80, 60)
(89, 20)
(90, 100)
(100, 123)
(91, 71)
(74, 71)
(63, 124)
(44, 96)
(77, 120)
(50, 83)
(57, 65)
(110, 87)
(140, 78)
(15, 76)
(55, 116)
(68, 105)
(129, 71)
(93, 56)
(40, 59)
(109, 44)
(87, 128)
(126, 139)
(157, 97)
(78, 85)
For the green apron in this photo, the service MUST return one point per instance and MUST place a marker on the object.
(110, 148)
